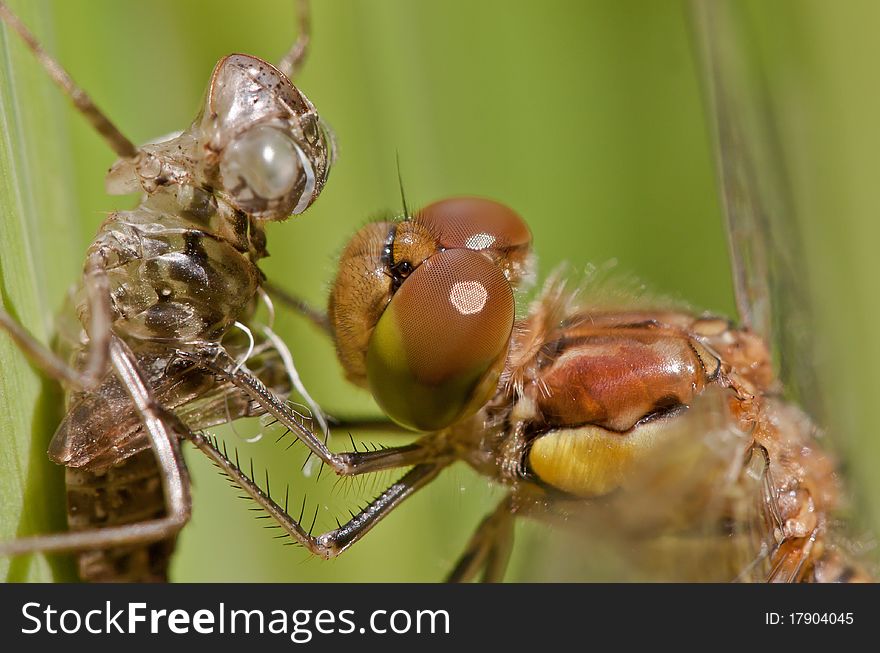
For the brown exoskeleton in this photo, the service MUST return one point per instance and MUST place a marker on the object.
(162, 288)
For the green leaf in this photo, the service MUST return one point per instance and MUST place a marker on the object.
(35, 188)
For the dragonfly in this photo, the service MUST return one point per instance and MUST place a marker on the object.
(627, 415)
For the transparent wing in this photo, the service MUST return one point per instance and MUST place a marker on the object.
(765, 246)
(101, 428)
(693, 511)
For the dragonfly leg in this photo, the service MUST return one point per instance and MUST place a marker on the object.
(372, 424)
(293, 60)
(81, 100)
(161, 431)
(298, 305)
(331, 543)
(99, 330)
(427, 450)
(489, 548)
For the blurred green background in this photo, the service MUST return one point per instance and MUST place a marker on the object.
(584, 116)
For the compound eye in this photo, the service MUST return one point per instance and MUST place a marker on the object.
(262, 165)
(475, 223)
(437, 351)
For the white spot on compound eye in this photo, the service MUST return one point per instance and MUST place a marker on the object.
(468, 297)
(480, 241)
(166, 292)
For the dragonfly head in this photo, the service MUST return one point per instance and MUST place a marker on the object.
(267, 151)
(423, 309)
(258, 145)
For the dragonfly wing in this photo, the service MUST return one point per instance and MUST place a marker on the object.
(692, 511)
(101, 428)
(765, 247)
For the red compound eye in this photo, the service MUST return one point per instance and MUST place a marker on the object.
(475, 223)
(436, 353)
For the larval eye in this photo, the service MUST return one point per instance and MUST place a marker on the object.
(265, 160)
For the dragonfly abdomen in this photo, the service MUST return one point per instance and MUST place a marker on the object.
(178, 275)
(125, 493)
